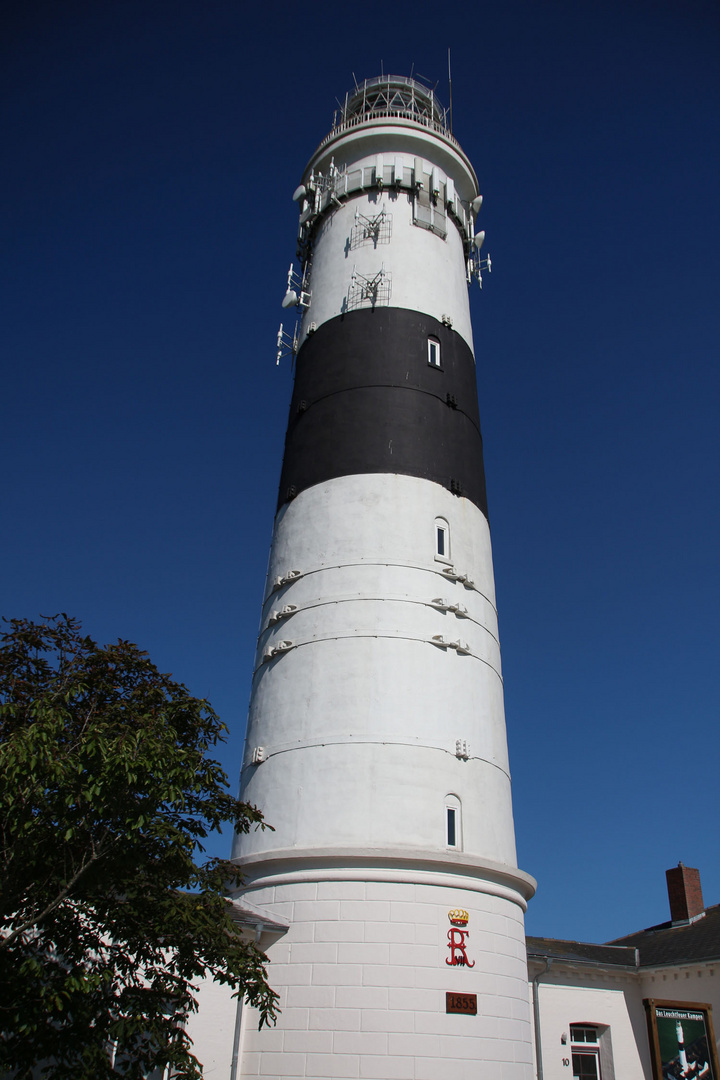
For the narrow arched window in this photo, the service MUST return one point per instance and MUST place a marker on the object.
(453, 822)
(442, 540)
(451, 814)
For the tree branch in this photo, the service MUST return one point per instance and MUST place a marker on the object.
(86, 863)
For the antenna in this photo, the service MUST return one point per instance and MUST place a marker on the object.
(286, 345)
(297, 294)
(450, 87)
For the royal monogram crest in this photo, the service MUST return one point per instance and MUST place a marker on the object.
(458, 917)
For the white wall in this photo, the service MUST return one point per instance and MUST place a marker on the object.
(359, 719)
(363, 979)
(212, 1027)
(690, 982)
(392, 137)
(593, 998)
(586, 996)
(427, 272)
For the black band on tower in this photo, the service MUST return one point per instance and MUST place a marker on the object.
(367, 400)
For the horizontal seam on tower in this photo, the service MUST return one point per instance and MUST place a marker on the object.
(366, 562)
(374, 599)
(375, 742)
(389, 386)
(444, 646)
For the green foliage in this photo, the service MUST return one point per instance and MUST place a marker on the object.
(108, 915)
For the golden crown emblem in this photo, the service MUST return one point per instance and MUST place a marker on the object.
(458, 917)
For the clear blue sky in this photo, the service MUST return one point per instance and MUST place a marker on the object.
(151, 150)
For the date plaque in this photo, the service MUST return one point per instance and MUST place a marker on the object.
(461, 1003)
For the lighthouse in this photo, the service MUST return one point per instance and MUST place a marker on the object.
(376, 743)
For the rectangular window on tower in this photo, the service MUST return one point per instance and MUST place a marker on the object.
(433, 352)
(442, 540)
(453, 824)
(451, 827)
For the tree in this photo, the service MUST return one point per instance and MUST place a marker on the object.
(108, 914)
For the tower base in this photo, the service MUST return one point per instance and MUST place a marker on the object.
(365, 968)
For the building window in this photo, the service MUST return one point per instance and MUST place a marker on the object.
(585, 1066)
(453, 834)
(581, 1034)
(433, 352)
(585, 1052)
(442, 540)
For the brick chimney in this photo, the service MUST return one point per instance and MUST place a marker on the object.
(684, 893)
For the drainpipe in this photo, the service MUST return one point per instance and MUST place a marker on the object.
(536, 1016)
(238, 1017)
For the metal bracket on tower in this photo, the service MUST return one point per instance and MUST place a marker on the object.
(316, 195)
(461, 647)
(377, 229)
(457, 575)
(285, 579)
(284, 613)
(461, 749)
(369, 290)
(276, 650)
(445, 605)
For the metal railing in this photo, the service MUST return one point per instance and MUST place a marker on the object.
(357, 119)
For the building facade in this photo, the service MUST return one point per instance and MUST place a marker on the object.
(639, 1008)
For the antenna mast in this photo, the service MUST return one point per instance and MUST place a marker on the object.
(450, 86)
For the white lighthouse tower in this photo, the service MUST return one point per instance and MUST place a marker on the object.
(376, 740)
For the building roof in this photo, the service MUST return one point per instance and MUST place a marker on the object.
(581, 952)
(247, 916)
(679, 943)
(666, 944)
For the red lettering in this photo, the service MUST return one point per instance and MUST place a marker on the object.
(457, 947)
